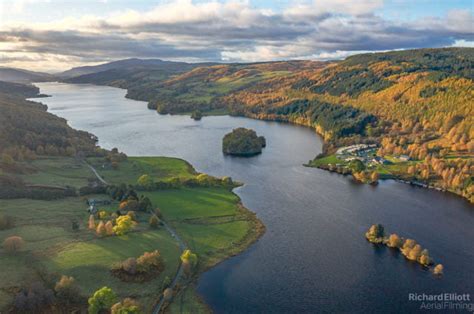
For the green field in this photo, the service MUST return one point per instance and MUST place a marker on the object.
(331, 159)
(159, 168)
(210, 221)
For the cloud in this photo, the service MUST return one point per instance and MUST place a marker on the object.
(229, 31)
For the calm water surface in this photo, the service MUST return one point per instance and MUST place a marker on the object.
(313, 257)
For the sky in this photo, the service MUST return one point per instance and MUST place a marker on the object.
(53, 35)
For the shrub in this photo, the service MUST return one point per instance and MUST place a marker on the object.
(13, 244)
(103, 299)
(145, 181)
(141, 269)
(75, 225)
(34, 299)
(130, 265)
(132, 215)
(227, 181)
(154, 221)
(6, 222)
(166, 283)
(67, 289)
(127, 306)
(144, 204)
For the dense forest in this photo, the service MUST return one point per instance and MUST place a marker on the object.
(243, 142)
(22, 90)
(27, 129)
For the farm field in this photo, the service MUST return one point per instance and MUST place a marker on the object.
(210, 220)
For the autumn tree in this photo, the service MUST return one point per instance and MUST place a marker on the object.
(407, 246)
(374, 177)
(438, 270)
(101, 230)
(109, 228)
(92, 222)
(149, 261)
(189, 260)
(415, 253)
(394, 241)
(168, 294)
(66, 289)
(425, 258)
(375, 233)
(102, 300)
(123, 225)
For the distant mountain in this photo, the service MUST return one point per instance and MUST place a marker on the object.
(156, 64)
(19, 75)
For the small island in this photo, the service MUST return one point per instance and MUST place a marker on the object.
(243, 142)
(408, 247)
(196, 115)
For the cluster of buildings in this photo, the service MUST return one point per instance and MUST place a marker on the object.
(362, 152)
(354, 149)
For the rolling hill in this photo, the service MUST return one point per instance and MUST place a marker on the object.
(133, 63)
(19, 75)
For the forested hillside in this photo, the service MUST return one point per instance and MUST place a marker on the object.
(27, 130)
(418, 103)
(24, 76)
(22, 90)
(178, 89)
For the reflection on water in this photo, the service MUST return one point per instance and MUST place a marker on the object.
(313, 257)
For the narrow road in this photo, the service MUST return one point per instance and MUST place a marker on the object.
(180, 271)
(173, 233)
(96, 173)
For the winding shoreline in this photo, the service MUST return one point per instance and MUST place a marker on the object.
(256, 230)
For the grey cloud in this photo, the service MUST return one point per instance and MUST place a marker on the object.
(207, 39)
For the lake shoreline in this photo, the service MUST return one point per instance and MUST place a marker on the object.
(303, 209)
(302, 123)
